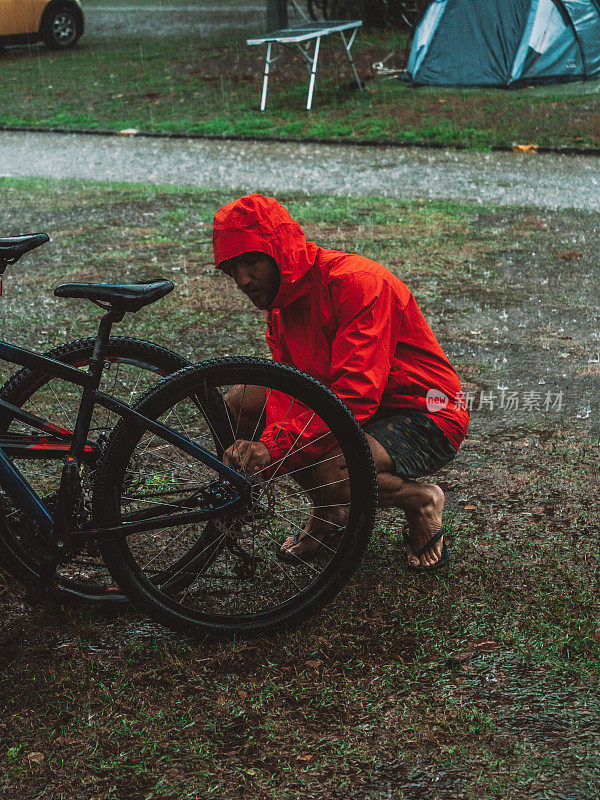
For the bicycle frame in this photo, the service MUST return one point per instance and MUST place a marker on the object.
(75, 449)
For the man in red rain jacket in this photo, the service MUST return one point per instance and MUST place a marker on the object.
(353, 325)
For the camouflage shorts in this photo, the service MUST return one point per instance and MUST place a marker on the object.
(415, 443)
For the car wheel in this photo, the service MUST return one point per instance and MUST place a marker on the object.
(61, 28)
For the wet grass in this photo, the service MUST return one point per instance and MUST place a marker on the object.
(172, 84)
(479, 684)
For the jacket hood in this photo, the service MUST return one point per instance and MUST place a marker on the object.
(262, 224)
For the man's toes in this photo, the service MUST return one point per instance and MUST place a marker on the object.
(432, 556)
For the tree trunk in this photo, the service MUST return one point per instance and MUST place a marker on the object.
(276, 14)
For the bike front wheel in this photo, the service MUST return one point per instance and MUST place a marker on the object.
(225, 578)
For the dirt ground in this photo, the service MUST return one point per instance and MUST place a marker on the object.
(479, 684)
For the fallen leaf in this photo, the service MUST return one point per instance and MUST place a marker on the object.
(525, 148)
(35, 758)
(470, 508)
(485, 645)
(460, 657)
(314, 664)
(304, 758)
(568, 255)
(66, 740)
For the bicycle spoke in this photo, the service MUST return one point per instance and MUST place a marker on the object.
(227, 570)
(279, 514)
(274, 463)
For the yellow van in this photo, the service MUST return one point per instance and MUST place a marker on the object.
(59, 23)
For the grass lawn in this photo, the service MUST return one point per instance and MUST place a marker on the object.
(482, 683)
(193, 85)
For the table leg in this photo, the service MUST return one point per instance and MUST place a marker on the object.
(313, 72)
(263, 100)
(347, 48)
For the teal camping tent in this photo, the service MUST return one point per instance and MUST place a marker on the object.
(506, 42)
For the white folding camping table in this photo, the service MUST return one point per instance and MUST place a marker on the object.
(302, 37)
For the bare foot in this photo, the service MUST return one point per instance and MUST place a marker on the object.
(423, 526)
(316, 527)
(308, 542)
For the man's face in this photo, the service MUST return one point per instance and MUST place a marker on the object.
(257, 275)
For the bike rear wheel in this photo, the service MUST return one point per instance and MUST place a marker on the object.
(231, 581)
(133, 366)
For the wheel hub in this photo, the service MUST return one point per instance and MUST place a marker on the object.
(63, 28)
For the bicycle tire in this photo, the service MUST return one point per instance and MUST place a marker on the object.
(116, 474)
(19, 550)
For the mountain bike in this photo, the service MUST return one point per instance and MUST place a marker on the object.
(38, 411)
(188, 539)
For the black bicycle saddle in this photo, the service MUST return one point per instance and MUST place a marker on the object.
(13, 247)
(124, 296)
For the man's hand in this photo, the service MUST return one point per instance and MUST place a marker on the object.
(248, 457)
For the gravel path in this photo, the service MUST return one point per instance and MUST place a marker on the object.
(141, 20)
(544, 181)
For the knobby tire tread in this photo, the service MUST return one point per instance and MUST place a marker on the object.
(123, 441)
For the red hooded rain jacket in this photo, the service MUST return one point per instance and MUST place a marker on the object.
(345, 320)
